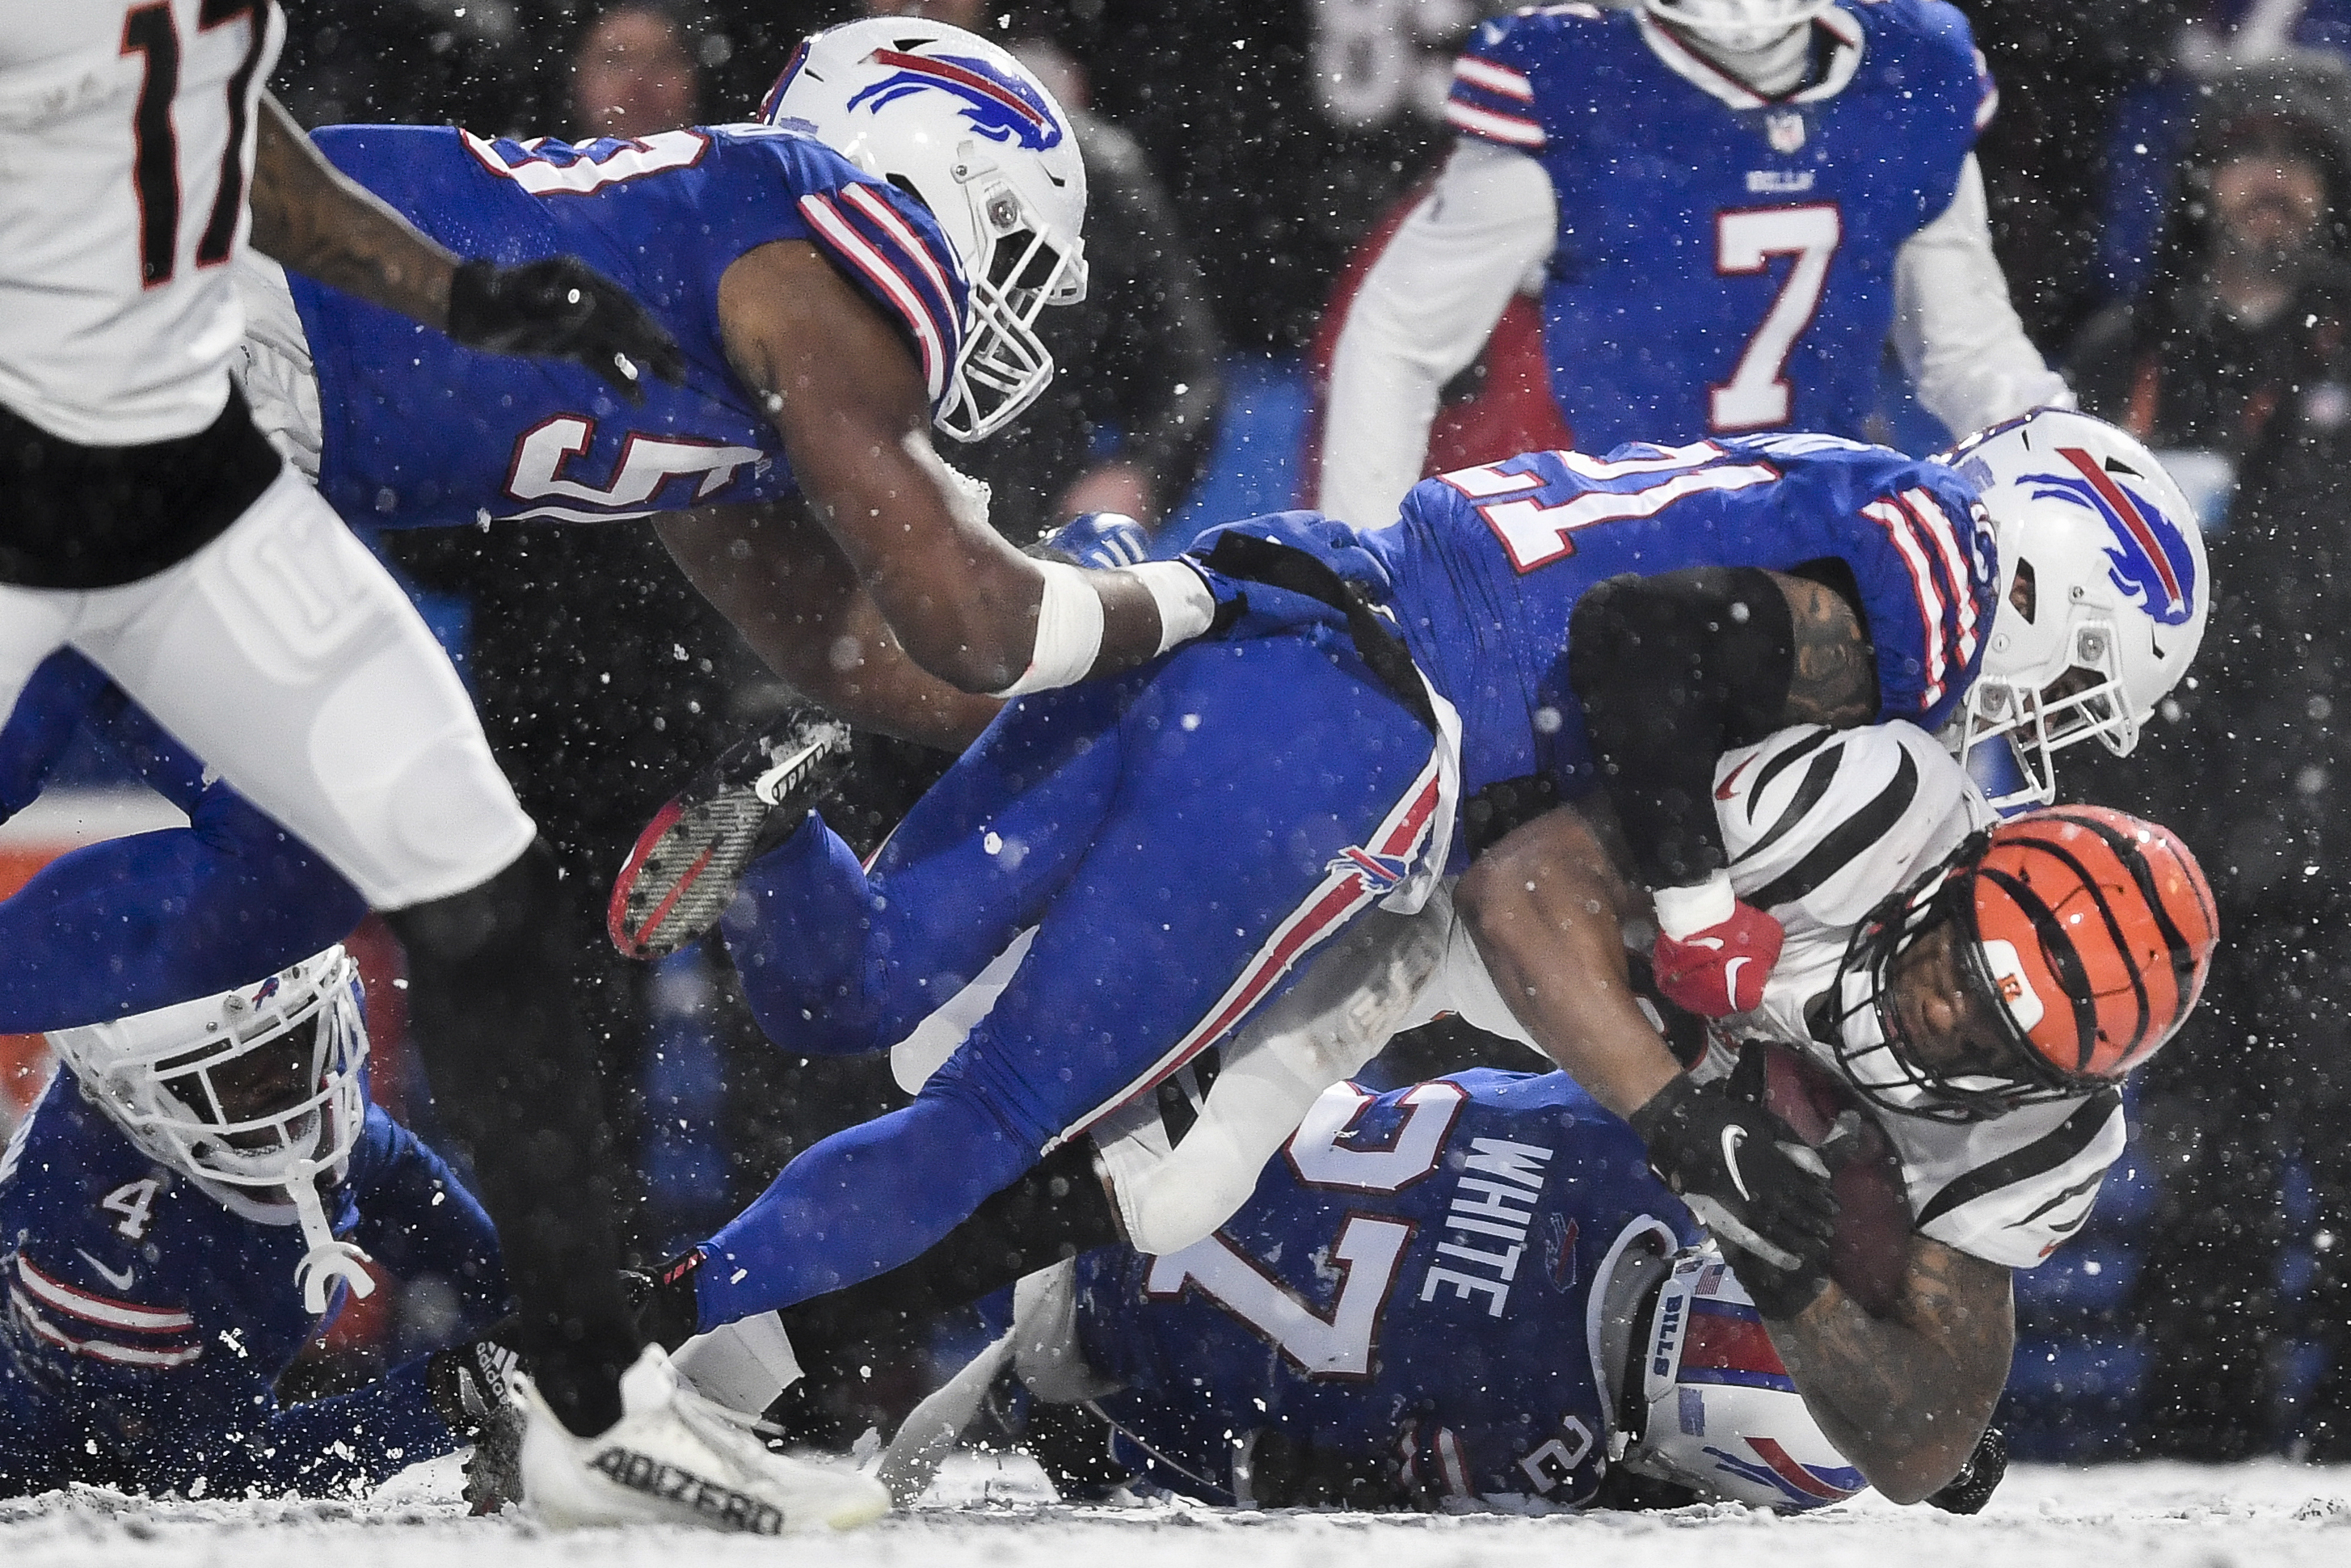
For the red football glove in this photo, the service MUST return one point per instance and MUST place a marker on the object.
(1718, 968)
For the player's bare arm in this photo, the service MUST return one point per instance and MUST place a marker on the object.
(775, 573)
(1544, 906)
(1832, 676)
(1905, 1396)
(847, 396)
(311, 217)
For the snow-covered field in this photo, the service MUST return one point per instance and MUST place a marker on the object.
(2269, 1515)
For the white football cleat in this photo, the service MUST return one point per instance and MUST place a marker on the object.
(674, 1457)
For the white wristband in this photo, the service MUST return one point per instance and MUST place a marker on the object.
(1186, 605)
(1684, 911)
(1069, 632)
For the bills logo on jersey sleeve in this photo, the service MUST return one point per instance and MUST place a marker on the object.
(2147, 558)
(1000, 107)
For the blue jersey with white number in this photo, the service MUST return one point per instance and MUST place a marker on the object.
(1725, 262)
(419, 430)
(146, 1321)
(1485, 566)
(1412, 1281)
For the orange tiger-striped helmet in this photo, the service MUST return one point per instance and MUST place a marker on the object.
(2081, 938)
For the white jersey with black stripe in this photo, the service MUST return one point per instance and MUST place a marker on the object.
(128, 133)
(1820, 826)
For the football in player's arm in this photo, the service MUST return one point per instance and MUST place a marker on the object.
(183, 1207)
(1976, 1023)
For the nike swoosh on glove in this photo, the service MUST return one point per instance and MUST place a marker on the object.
(562, 308)
(1720, 967)
(1742, 1170)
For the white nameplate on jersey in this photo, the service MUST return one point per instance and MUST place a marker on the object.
(2008, 975)
(1779, 181)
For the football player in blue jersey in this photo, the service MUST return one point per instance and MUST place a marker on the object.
(1728, 206)
(184, 1207)
(865, 265)
(1140, 864)
(1977, 1041)
(1470, 1289)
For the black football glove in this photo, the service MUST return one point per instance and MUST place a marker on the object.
(468, 1387)
(1744, 1173)
(563, 308)
(1968, 1491)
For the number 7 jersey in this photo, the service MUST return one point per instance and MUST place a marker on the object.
(1725, 262)
(418, 432)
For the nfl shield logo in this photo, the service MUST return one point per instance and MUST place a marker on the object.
(1786, 130)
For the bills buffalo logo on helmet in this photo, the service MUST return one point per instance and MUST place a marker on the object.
(2147, 558)
(998, 107)
(1803, 1485)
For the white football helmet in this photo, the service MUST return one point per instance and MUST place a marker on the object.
(2115, 589)
(1737, 26)
(1716, 1409)
(971, 133)
(256, 1090)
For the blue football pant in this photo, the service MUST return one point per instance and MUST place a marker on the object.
(1180, 837)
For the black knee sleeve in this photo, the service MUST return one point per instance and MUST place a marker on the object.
(495, 1023)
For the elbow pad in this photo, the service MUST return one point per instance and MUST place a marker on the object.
(1671, 671)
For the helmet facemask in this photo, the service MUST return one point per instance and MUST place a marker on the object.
(1997, 1068)
(1017, 273)
(258, 1091)
(2083, 698)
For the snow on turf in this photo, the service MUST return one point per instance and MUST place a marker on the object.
(997, 1514)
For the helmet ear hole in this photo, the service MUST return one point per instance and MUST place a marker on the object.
(2023, 591)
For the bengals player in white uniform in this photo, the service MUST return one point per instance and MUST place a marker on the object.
(150, 526)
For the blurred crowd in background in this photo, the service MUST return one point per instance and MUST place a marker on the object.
(2171, 188)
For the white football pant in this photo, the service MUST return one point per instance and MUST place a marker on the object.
(285, 655)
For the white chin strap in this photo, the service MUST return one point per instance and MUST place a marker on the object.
(328, 1259)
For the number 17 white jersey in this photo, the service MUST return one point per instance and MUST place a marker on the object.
(126, 151)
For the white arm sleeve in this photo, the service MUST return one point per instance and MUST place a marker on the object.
(1957, 333)
(1423, 314)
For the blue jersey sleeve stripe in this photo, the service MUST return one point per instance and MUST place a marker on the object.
(947, 296)
(161, 1357)
(103, 1311)
(1493, 125)
(1935, 639)
(1926, 514)
(1470, 71)
(1988, 102)
(888, 281)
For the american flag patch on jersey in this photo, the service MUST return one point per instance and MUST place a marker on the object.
(895, 252)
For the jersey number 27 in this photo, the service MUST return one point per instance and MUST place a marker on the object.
(1337, 1341)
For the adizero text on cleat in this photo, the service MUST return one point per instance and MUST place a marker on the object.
(678, 878)
(675, 1457)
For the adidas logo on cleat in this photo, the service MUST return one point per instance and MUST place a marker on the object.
(722, 1506)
